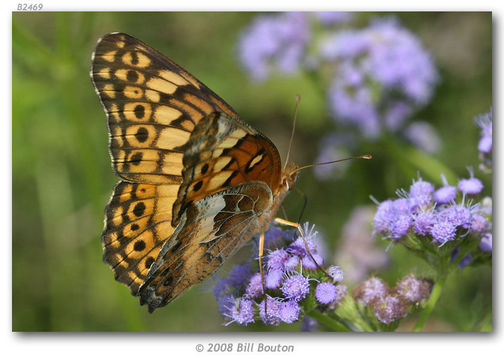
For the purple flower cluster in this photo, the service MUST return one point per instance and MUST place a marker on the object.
(290, 276)
(484, 121)
(390, 305)
(274, 41)
(329, 18)
(435, 214)
(383, 74)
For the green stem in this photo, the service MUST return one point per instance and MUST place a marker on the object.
(327, 321)
(436, 292)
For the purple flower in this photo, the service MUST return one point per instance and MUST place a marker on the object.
(423, 135)
(270, 315)
(275, 234)
(226, 303)
(314, 244)
(296, 287)
(285, 287)
(485, 144)
(335, 273)
(345, 44)
(424, 222)
(484, 121)
(308, 262)
(354, 106)
(238, 274)
(457, 215)
(400, 226)
(421, 191)
(244, 313)
(254, 288)
(471, 186)
(446, 193)
(274, 41)
(479, 224)
(466, 260)
(328, 18)
(486, 242)
(370, 290)
(277, 259)
(398, 59)
(289, 312)
(382, 217)
(394, 217)
(341, 291)
(443, 231)
(390, 308)
(325, 293)
(273, 279)
(374, 64)
(413, 289)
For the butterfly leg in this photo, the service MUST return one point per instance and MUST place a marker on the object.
(300, 229)
(261, 252)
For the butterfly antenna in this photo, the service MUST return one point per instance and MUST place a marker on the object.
(367, 157)
(298, 100)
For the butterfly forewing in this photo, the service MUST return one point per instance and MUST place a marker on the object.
(223, 152)
(152, 106)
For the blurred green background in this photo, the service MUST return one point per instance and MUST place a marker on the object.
(62, 177)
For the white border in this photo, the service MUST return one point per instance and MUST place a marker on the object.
(170, 346)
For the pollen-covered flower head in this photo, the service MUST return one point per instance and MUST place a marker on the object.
(390, 308)
(370, 290)
(413, 289)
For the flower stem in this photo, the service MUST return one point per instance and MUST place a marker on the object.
(436, 292)
(327, 321)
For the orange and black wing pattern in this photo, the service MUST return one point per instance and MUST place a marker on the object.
(224, 152)
(152, 106)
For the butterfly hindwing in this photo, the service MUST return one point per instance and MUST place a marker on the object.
(137, 224)
(152, 106)
(210, 230)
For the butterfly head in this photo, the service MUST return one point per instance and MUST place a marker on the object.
(289, 176)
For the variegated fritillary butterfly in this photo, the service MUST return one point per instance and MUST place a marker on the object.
(196, 181)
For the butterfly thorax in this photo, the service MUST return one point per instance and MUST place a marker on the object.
(287, 182)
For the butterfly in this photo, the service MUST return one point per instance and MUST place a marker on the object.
(197, 182)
